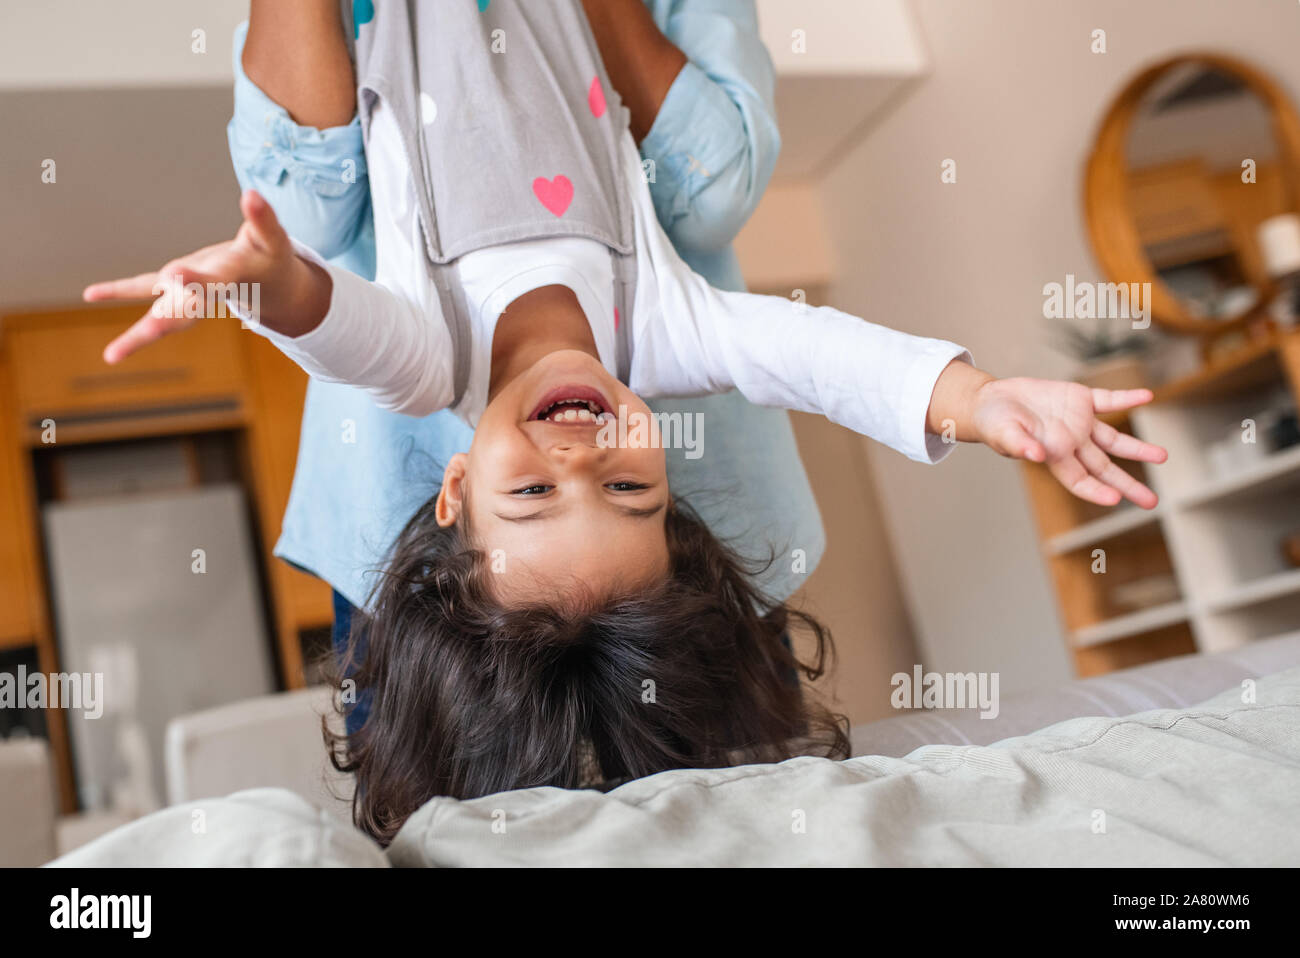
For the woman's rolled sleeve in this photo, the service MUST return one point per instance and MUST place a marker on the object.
(715, 140)
(315, 179)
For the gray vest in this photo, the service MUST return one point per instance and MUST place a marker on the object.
(511, 130)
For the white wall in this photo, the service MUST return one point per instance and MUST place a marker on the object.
(61, 43)
(141, 175)
(117, 43)
(841, 37)
(1014, 97)
(855, 590)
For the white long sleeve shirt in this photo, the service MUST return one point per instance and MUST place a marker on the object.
(389, 338)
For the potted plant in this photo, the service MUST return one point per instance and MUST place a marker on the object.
(1109, 357)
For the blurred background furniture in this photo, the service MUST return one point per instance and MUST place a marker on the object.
(158, 594)
(27, 803)
(1208, 562)
(270, 740)
(206, 410)
(273, 740)
(1190, 193)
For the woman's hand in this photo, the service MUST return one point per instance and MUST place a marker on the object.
(291, 295)
(1056, 423)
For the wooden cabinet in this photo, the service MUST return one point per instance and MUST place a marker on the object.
(277, 388)
(60, 368)
(19, 617)
(56, 390)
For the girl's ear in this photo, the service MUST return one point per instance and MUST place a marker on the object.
(451, 497)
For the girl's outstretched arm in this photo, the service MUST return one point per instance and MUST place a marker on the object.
(291, 294)
(917, 395)
(334, 324)
(920, 396)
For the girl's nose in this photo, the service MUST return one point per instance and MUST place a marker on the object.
(580, 454)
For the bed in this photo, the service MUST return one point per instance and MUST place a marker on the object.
(1211, 783)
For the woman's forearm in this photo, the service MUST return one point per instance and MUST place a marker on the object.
(642, 63)
(298, 55)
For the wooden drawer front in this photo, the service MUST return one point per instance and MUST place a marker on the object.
(18, 617)
(58, 367)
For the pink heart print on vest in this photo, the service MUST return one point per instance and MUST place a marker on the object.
(596, 98)
(555, 195)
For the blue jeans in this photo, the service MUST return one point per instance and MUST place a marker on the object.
(356, 716)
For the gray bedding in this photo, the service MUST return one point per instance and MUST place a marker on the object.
(1212, 784)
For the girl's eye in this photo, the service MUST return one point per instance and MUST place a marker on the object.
(626, 486)
(531, 491)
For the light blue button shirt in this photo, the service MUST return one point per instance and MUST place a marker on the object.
(362, 472)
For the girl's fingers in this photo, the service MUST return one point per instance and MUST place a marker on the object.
(1099, 464)
(1071, 474)
(1017, 441)
(264, 229)
(145, 330)
(1113, 400)
(181, 277)
(1129, 447)
(183, 300)
(133, 287)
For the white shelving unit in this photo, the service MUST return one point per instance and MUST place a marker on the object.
(1275, 586)
(1224, 531)
(1123, 519)
(1135, 623)
(1218, 530)
(1277, 470)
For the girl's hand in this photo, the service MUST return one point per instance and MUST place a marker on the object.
(1056, 423)
(292, 294)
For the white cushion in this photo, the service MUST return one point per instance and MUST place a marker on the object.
(270, 741)
(27, 803)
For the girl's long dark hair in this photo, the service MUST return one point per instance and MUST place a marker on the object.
(469, 697)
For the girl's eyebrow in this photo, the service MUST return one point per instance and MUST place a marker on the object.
(633, 512)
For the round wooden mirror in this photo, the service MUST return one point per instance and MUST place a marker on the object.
(1193, 155)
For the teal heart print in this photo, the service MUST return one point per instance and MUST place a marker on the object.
(363, 11)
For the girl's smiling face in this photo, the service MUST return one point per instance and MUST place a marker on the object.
(562, 510)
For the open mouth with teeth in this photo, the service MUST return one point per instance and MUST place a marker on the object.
(573, 404)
